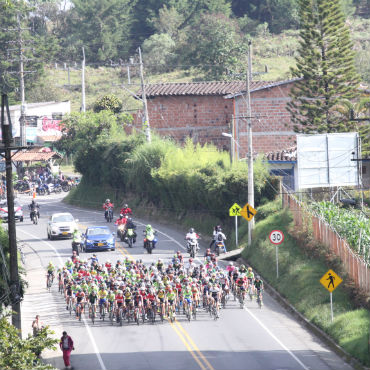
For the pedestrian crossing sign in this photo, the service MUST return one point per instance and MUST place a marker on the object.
(235, 210)
(248, 212)
(330, 280)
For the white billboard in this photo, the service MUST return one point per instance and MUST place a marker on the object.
(324, 160)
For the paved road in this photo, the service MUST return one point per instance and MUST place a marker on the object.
(240, 339)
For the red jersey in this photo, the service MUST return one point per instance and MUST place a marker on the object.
(151, 297)
(108, 205)
(121, 221)
(126, 211)
(119, 298)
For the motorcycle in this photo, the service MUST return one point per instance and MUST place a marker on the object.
(22, 186)
(130, 237)
(219, 247)
(109, 214)
(121, 232)
(192, 247)
(149, 242)
(35, 217)
(66, 185)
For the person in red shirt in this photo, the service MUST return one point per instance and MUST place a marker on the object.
(122, 220)
(126, 210)
(107, 205)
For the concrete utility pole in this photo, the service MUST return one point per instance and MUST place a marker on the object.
(83, 106)
(22, 119)
(14, 283)
(145, 106)
(250, 146)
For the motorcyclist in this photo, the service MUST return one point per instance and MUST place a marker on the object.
(126, 210)
(130, 225)
(191, 235)
(220, 237)
(34, 207)
(106, 206)
(149, 233)
(76, 241)
(122, 220)
(214, 235)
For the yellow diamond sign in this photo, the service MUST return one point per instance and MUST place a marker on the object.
(235, 210)
(248, 212)
(330, 280)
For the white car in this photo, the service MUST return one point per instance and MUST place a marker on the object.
(61, 225)
(18, 212)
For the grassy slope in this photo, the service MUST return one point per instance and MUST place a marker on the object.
(299, 276)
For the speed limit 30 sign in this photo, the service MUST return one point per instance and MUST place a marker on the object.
(276, 237)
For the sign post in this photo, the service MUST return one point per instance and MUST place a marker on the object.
(276, 237)
(330, 281)
(235, 211)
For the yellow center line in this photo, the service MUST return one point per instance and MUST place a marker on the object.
(192, 346)
(210, 367)
(188, 347)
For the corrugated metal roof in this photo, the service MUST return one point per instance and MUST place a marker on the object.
(285, 155)
(49, 138)
(201, 88)
(35, 154)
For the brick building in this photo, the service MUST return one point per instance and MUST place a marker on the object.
(203, 110)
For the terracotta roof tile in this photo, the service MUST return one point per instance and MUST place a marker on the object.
(284, 155)
(201, 88)
(35, 154)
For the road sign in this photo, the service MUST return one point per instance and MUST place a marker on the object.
(330, 280)
(276, 237)
(248, 212)
(235, 210)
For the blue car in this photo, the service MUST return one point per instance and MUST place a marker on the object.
(98, 238)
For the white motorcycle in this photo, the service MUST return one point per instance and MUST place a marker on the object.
(192, 246)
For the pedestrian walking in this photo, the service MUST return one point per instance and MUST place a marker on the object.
(37, 325)
(66, 345)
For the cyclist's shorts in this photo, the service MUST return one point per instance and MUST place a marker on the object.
(102, 301)
(170, 302)
(250, 280)
(119, 304)
(127, 301)
(188, 300)
(161, 300)
(50, 272)
(242, 288)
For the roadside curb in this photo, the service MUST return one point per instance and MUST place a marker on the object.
(344, 355)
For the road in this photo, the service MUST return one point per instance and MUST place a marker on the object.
(249, 338)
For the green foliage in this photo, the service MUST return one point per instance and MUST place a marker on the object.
(298, 282)
(215, 45)
(108, 102)
(16, 353)
(351, 224)
(159, 50)
(326, 64)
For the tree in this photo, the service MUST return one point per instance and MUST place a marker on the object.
(325, 67)
(108, 102)
(17, 353)
(214, 45)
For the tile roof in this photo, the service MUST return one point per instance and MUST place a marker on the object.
(201, 88)
(285, 155)
(35, 154)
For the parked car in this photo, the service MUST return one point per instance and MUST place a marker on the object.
(17, 210)
(61, 225)
(98, 238)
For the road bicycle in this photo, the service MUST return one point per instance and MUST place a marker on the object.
(259, 298)
(79, 310)
(102, 311)
(250, 291)
(214, 311)
(93, 313)
(49, 281)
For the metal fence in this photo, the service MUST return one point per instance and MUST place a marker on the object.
(355, 266)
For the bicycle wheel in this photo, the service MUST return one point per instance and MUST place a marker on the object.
(93, 314)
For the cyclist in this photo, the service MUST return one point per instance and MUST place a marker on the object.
(250, 277)
(215, 294)
(241, 283)
(92, 300)
(119, 298)
(102, 294)
(80, 298)
(171, 301)
(187, 294)
(50, 273)
(258, 284)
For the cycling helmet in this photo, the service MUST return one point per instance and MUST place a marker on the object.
(231, 264)
(190, 260)
(128, 289)
(191, 230)
(249, 268)
(129, 219)
(258, 277)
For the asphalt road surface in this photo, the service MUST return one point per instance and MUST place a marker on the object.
(249, 338)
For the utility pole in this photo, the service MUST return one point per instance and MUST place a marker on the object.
(83, 106)
(22, 119)
(14, 283)
(145, 106)
(250, 146)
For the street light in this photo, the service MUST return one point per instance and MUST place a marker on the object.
(232, 147)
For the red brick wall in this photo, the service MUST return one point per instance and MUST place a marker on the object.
(204, 118)
(271, 126)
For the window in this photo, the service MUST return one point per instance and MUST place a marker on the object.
(57, 116)
(31, 121)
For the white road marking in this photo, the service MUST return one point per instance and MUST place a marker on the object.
(84, 320)
(277, 339)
